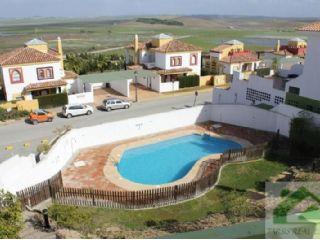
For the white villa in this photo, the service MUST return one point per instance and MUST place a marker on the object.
(230, 57)
(33, 70)
(302, 92)
(168, 56)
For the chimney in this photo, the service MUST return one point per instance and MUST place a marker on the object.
(136, 49)
(278, 46)
(60, 51)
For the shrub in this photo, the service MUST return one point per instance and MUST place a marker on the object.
(189, 81)
(10, 216)
(150, 223)
(304, 139)
(285, 192)
(44, 147)
(237, 208)
(263, 72)
(54, 100)
(13, 114)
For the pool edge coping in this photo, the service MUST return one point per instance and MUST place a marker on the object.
(112, 174)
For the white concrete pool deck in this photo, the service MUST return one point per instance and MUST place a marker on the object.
(112, 174)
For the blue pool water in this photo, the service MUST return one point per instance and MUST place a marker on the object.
(169, 160)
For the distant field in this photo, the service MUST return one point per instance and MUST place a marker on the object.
(96, 34)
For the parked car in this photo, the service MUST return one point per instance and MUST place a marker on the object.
(115, 103)
(70, 111)
(40, 115)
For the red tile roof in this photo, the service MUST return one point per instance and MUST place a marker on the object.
(45, 85)
(174, 71)
(26, 55)
(239, 57)
(220, 48)
(144, 45)
(177, 46)
(313, 27)
(70, 75)
(172, 46)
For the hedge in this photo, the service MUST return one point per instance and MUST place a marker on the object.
(263, 72)
(13, 114)
(189, 81)
(54, 100)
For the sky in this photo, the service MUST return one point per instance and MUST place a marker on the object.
(94, 8)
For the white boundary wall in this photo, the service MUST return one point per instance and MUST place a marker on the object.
(251, 117)
(18, 173)
(122, 86)
(80, 98)
(237, 93)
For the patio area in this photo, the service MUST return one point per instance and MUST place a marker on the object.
(87, 168)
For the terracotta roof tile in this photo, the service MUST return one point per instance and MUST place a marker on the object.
(177, 46)
(313, 27)
(174, 71)
(26, 55)
(45, 85)
(220, 48)
(144, 45)
(238, 57)
(70, 75)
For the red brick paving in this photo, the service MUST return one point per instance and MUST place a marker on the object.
(92, 176)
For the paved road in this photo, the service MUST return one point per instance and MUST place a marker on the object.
(19, 133)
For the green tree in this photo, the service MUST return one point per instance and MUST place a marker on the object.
(304, 139)
(10, 215)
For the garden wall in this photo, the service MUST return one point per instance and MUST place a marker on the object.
(122, 86)
(18, 173)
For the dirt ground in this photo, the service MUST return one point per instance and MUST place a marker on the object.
(143, 94)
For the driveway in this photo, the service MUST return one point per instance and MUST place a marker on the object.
(24, 138)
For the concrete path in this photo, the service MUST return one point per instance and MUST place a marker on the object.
(23, 138)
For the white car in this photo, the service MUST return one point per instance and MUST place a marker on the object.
(115, 103)
(70, 111)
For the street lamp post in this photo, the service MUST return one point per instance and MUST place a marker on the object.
(136, 84)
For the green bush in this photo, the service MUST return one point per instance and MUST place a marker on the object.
(54, 100)
(189, 81)
(13, 114)
(10, 216)
(263, 72)
(304, 139)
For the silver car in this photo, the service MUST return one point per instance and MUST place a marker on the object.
(115, 103)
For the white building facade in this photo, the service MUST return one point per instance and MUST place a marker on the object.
(169, 57)
(32, 71)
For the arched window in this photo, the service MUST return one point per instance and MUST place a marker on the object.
(16, 75)
(193, 59)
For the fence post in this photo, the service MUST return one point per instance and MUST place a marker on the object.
(175, 192)
(93, 197)
(50, 189)
(133, 199)
(229, 155)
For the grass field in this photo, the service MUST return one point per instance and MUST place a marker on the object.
(239, 177)
(93, 34)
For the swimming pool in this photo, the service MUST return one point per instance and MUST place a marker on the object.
(169, 160)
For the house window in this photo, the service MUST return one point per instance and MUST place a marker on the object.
(45, 73)
(294, 90)
(175, 61)
(193, 59)
(16, 75)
